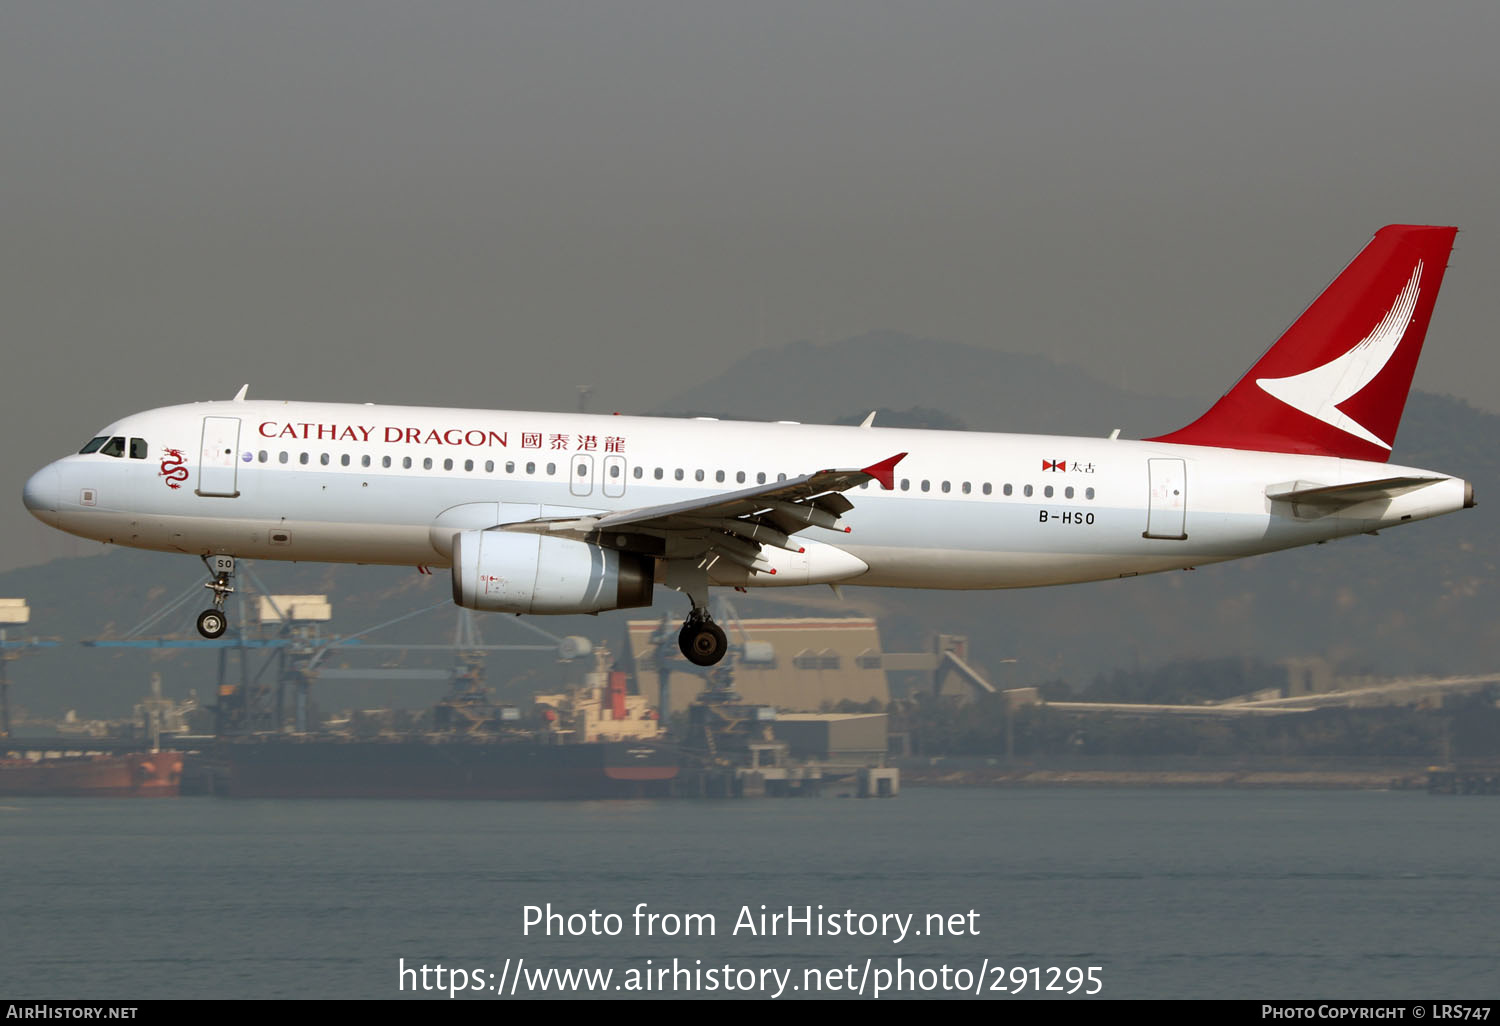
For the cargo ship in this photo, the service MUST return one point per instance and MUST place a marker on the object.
(131, 775)
(284, 767)
(593, 741)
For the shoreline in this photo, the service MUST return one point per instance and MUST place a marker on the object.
(1390, 779)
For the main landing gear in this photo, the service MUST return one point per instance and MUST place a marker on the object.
(212, 623)
(702, 641)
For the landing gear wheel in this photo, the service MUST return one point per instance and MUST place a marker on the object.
(702, 642)
(212, 623)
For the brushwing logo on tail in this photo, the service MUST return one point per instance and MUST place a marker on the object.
(1319, 391)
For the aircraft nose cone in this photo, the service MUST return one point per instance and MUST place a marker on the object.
(40, 494)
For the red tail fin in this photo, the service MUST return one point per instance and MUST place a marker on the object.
(1335, 384)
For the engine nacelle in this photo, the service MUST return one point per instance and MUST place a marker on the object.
(518, 572)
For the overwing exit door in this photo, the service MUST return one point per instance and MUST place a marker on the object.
(581, 476)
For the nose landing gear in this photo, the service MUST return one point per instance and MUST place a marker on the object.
(212, 623)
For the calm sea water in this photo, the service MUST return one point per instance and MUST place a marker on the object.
(1173, 893)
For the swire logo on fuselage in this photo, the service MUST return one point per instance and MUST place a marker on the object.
(1319, 391)
(391, 434)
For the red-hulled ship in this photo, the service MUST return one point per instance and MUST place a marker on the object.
(132, 775)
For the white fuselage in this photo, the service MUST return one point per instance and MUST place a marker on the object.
(367, 484)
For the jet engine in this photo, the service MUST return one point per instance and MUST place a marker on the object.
(519, 572)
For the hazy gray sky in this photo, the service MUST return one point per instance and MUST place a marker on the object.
(486, 203)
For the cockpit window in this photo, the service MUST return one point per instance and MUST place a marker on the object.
(114, 447)
(93, 445)
(137, 448)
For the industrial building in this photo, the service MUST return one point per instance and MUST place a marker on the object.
(806, 663)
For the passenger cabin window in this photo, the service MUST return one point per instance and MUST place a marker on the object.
(137, 448)
(302, 458)
(93, 445)
(114, 447)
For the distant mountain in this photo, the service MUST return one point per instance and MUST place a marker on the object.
(920, 417)
(986, 390)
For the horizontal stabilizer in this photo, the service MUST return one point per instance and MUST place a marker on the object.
(1307, 493)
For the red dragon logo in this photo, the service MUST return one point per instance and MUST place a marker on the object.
(173, 467)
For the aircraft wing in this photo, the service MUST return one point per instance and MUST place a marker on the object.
(732, 525)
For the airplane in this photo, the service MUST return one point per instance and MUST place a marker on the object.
(556, 513)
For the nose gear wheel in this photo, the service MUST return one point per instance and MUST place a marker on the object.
(212, 623)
